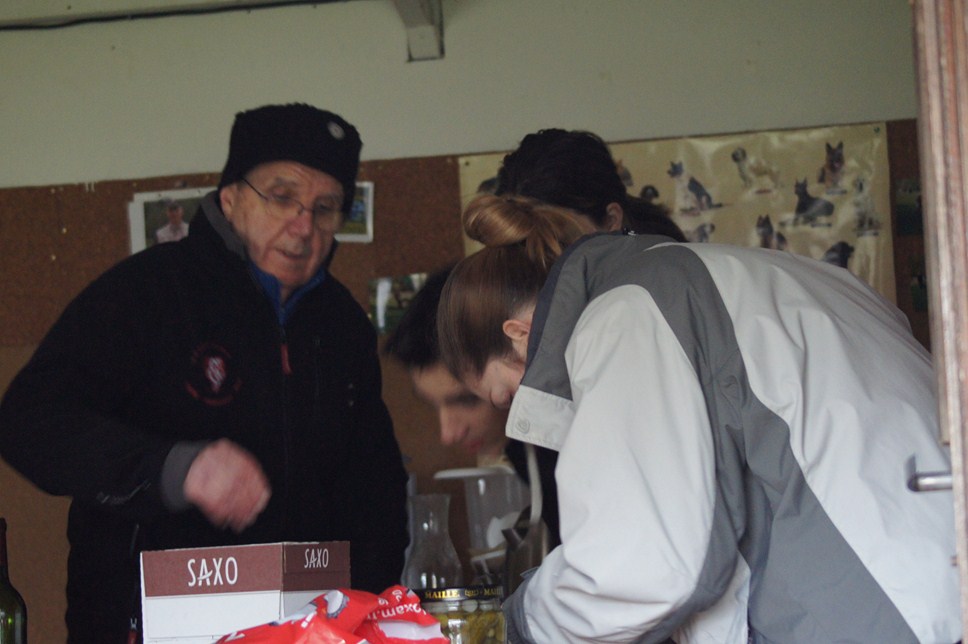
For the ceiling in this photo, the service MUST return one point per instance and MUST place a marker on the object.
(60, 13)
(422, 19)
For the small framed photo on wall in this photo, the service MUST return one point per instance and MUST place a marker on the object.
(358, 225)
(163, 216)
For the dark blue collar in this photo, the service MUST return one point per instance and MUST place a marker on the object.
(270, 285)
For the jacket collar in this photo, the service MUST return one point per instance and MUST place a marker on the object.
(213, 213)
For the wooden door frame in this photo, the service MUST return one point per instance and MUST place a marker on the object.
(941, 53)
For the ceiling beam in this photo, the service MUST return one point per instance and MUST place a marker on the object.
(424, 22)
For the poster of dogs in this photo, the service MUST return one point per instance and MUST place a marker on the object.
(819, 192)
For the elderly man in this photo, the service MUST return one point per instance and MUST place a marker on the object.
(223, 389)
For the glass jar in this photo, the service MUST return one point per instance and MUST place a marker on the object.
(470, 615)
(432, 561)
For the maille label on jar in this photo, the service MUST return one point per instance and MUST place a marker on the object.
(457, 594)
(259, 567)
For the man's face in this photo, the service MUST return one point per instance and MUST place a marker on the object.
(466, 421)
(175, 214)
(291, 250)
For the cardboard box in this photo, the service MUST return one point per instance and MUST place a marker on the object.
(197, 595)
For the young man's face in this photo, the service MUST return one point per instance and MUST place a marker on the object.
(175, 214)
(466, 421)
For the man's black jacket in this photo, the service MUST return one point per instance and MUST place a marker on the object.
(179, 344)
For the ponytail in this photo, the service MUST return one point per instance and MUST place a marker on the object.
(522, 238)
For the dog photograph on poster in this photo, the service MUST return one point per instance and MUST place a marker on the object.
(162, 216)
(821, 192)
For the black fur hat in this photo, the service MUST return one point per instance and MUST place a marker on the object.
(294, 132)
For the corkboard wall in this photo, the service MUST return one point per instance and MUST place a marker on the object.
(54, 240)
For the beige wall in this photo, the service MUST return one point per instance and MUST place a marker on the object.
(154, 97)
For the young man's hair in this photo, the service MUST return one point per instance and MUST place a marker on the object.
(645, 218)
(414, 340)
(572, 169)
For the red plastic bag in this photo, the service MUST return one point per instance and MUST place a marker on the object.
(399, 619)
(313, 628)
(347, 616)
(346, 608)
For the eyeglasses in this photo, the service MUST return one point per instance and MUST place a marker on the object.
(325, 215)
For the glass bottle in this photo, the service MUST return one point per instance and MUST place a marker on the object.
(432, 562)
(13, 610)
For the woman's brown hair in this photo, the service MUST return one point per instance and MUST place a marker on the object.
(522, 238)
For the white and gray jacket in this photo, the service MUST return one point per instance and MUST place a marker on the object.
(733, 426)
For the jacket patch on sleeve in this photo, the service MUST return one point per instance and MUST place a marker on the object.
(212, 378)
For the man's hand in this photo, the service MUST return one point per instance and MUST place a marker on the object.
(228, 485)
